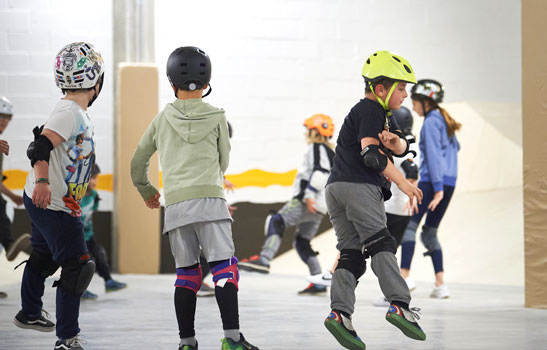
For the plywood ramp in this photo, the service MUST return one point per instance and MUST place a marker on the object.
(137, 227)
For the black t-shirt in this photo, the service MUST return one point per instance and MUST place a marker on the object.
(366, 119)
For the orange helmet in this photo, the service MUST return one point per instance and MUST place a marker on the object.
(323, 123)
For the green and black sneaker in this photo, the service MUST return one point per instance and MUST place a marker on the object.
(242, 344)
(405, 320)
(188, 347)
(341, 328)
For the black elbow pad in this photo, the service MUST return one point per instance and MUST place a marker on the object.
(40, 148)
(373, 158)
(410, 168)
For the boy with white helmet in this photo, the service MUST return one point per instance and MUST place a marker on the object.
(307, 207)
(355, 194)
(13, 247)
(52, 197)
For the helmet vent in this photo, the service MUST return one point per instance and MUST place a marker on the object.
(407, 68)
(375, 54)
(201, 73)
(396, 59)
(202, 64)
(368, 61)
(183, 73)
(184, 64)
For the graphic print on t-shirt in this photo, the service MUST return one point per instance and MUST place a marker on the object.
(80, 155)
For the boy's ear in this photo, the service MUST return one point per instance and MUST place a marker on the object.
(379, 89)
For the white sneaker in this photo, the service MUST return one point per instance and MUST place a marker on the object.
(381, 302)
(440, 292)
(322, 280)
(410, 284)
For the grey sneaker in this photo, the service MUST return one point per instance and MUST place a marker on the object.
(69, 344)
(254, 264)
(41, 324)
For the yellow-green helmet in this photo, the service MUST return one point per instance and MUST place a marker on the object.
(384, 64)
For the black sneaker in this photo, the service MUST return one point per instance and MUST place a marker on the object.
(242, 344)
(313, 289)
(69, 344)
(254, 264)
(41, 324)
(22, 243)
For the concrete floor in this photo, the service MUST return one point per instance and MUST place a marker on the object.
(273, 316)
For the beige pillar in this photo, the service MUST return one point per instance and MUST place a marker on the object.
(138, 226)
(534, 148)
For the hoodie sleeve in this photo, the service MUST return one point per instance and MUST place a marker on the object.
(433, 155)
(141, 161)
(224, 145)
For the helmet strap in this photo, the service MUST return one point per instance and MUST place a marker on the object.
(382, 103)
(208, 92)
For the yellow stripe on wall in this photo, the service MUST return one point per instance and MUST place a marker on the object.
(16, 179)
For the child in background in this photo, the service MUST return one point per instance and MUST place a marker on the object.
(89, 205)
(438, 173)
(192, 140)
(306, 209)
(12, 247)
(355, 194)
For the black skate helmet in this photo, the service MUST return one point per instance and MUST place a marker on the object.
(189, 68)
(403, 118)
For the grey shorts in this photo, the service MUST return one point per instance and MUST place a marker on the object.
(213, 238)
(356, 211)
(295, 213)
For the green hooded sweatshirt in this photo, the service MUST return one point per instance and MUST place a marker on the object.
(191, 137)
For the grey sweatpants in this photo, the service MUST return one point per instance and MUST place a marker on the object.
(357, 212)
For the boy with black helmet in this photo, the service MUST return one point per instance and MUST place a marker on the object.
(56, 191)
(192, 140)
(439, 148)
(355, 192)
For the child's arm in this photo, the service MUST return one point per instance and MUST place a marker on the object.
(224, 145)
(17, 199)
(140, 163)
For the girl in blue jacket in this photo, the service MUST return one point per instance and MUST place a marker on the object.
(438, 172)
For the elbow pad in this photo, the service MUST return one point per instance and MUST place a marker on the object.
(373, 158)
(318, 180)
(410, 168)
(40, 148)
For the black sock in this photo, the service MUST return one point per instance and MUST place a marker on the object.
(401, 304)
(227, 303)
(185, 308)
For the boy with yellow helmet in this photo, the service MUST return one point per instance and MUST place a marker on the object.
(307, 207)
(355, 194)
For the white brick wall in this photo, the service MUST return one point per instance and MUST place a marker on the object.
(275, 62)
(31, 33)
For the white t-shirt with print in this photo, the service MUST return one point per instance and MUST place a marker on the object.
(71, 162)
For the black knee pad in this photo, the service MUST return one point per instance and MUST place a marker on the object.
(76, 274)
(352, 260)
(303, 248)
(275, 225)
(382, 241)
(42, 263)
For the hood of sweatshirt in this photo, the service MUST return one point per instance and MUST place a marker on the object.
(192, 119)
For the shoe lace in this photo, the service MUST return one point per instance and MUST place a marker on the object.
(76, 341)
(45, 314)
(415, 312)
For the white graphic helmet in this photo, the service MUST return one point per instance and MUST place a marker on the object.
(5, 106)
(78, 66)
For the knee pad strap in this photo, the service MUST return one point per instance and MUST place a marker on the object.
(353, 261)
(189, 278)
(76, 274)
(382, 241)
(226, 272)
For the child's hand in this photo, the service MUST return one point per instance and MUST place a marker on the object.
(412, 206)
(390, 140)
(229, 186)
(437, 198)
(4, 147)
(413, 192)
(310, 204)
(231, 209)
(153, 202)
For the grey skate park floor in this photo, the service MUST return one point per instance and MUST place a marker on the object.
(273, 316)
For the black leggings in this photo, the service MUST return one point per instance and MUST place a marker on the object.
(99, 255)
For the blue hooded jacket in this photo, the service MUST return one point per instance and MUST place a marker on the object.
(439, 152)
